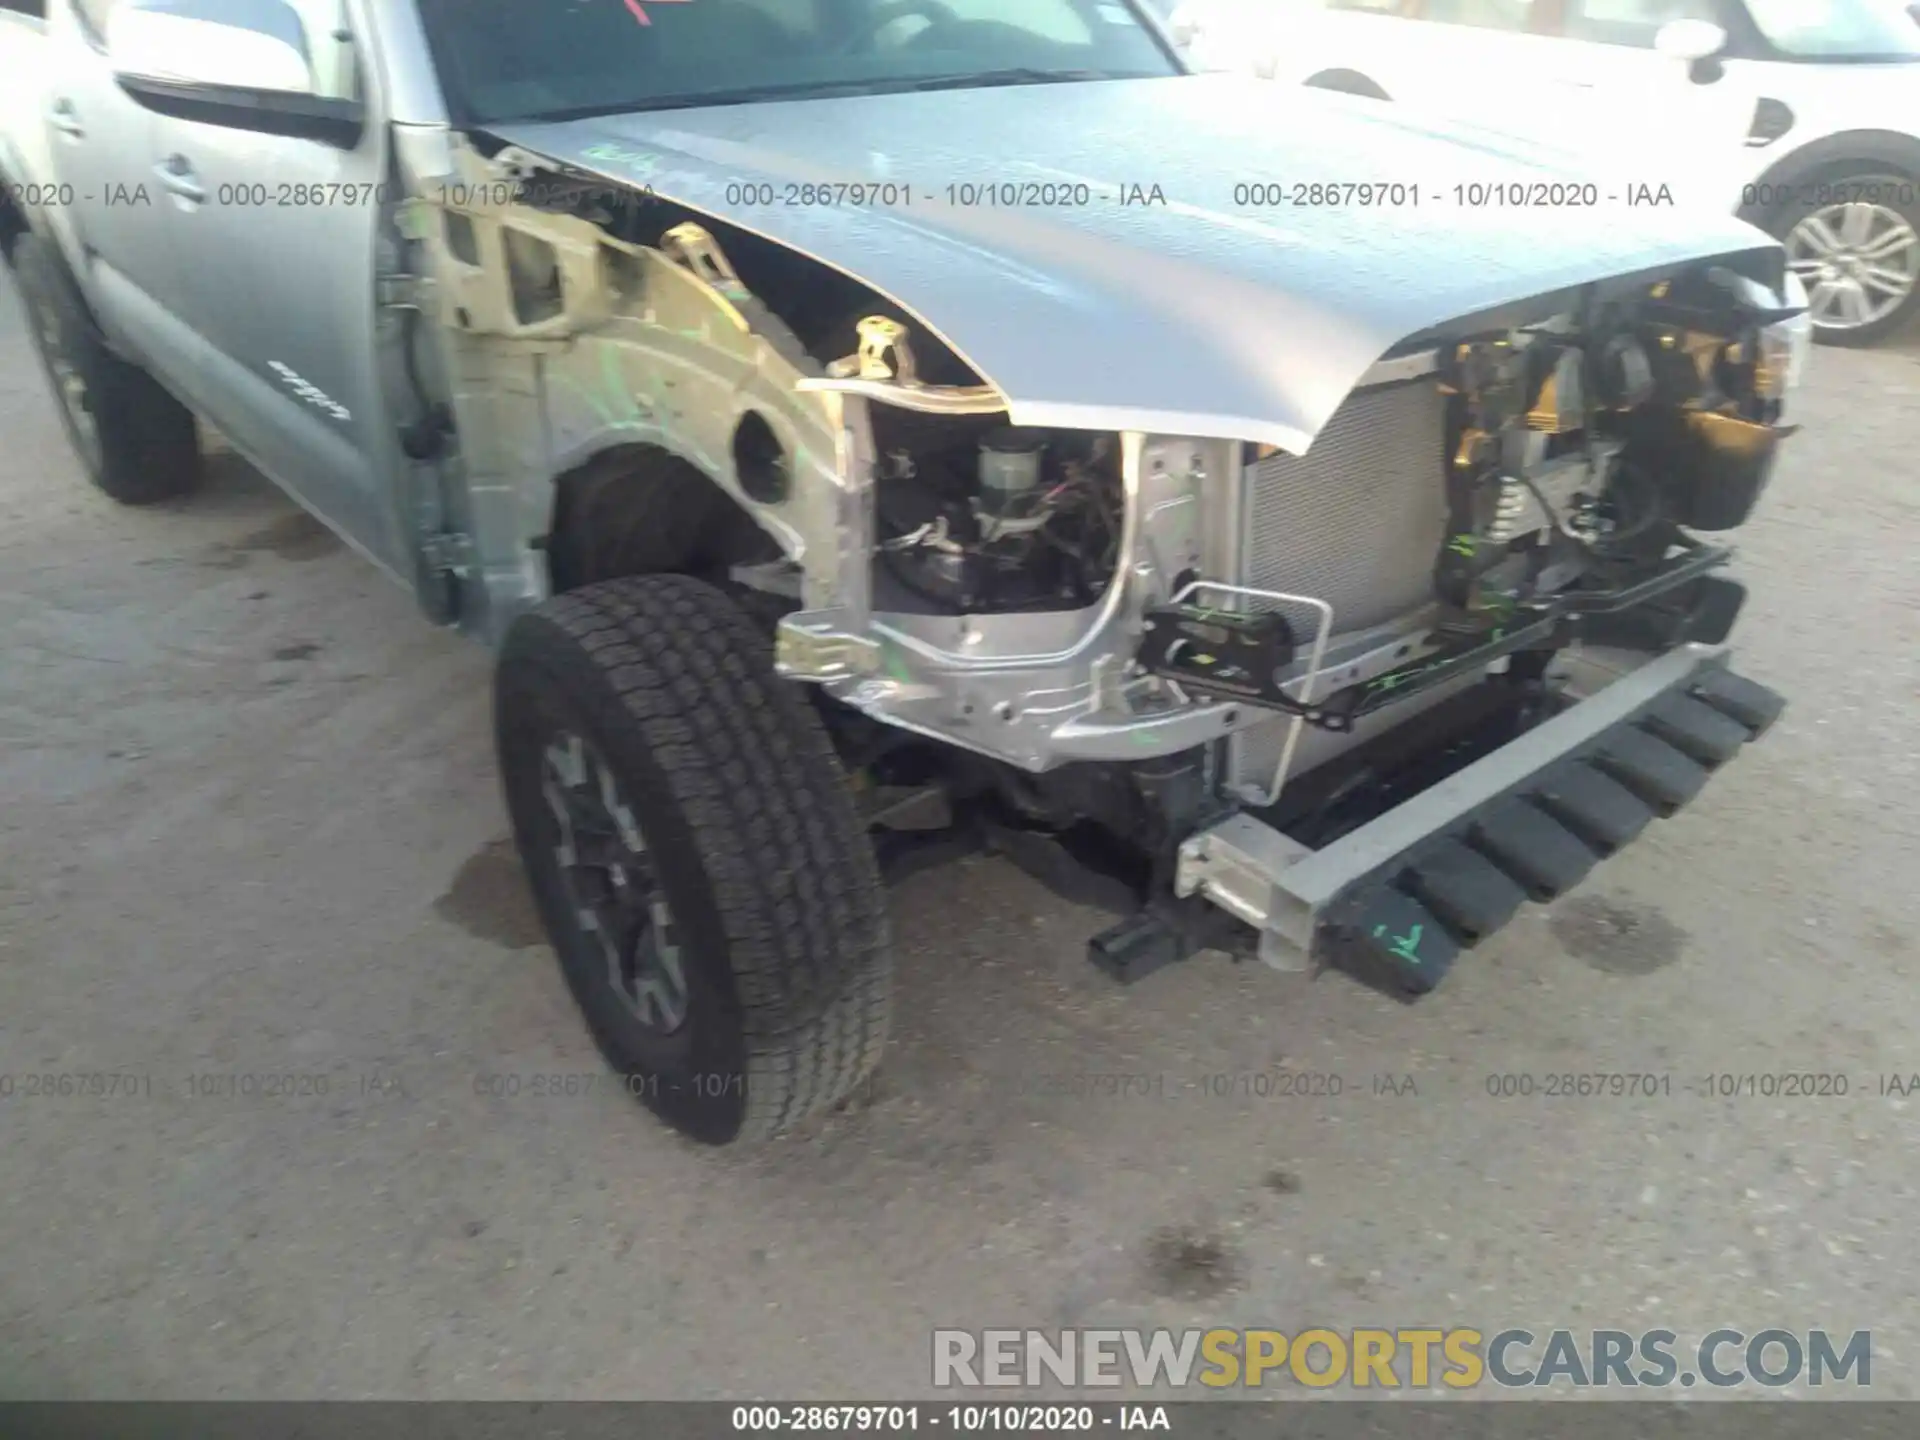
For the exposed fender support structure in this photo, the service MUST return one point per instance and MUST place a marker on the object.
(562, 340)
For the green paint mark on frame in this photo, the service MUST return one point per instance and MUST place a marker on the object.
(1406, 946)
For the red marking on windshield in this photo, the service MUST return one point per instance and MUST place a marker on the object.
(639, 12)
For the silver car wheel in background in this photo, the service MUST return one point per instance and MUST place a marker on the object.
(1859, 261)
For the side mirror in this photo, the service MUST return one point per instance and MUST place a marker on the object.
(243, 64)
(1690, 40)
(1183, 25)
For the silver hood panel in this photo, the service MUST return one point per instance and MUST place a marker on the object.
(1196, 317)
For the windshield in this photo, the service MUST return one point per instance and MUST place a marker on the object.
(551, 59)
(1839, 29)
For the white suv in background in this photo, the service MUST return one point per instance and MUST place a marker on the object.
(1803, 116)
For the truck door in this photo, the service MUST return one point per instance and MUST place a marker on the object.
(101, 143)
(277, 234)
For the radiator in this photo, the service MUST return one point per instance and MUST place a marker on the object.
(1357, 522)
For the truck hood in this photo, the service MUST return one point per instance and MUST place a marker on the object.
(1168, 301)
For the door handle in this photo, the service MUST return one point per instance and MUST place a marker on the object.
(176, 174)
(64, 118)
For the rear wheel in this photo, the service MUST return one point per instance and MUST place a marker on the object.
(696, 855)
(137, 443)
(1857, 253)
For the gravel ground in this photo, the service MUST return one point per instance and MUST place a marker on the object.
(249, 825)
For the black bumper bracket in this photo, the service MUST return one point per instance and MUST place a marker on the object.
(1445, 868)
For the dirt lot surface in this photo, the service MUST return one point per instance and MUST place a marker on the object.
(249, 827)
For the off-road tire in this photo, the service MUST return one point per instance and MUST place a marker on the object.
(778, 908)
(146, 447)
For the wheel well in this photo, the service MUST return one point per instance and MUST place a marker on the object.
(1347, 82)
(1853, 152)
(643, 510)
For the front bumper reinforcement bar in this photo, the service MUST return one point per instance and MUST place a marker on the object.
(1402, 895)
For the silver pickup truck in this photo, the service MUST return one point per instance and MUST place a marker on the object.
(870, 430)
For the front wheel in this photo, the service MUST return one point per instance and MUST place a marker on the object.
(1857, 252)
(696, 855)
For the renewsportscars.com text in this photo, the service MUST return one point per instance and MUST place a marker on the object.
(1459, 1358)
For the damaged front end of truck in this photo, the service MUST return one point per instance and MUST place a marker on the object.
(1349, 677)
